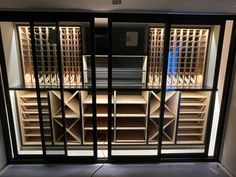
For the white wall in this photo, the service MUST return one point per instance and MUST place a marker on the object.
(11, 52)
(228, 154)
(220, 85)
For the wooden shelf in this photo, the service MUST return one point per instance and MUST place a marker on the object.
(100, 99)
(130, 136)
(131, 123)
(101, 111)
(101, 123)
(130, 99)
(130, 110)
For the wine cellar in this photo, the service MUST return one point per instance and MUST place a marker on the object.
(71, 96)
(135, 114)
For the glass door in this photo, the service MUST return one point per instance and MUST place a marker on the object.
(135, 89)
(52, 98)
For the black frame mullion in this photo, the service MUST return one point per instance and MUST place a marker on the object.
(184, 19)
(35, 65)
(93, 70)
(109, 88)
(61, 78)
(163, 84)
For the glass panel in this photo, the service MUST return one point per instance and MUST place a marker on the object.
(192, 56)
(191, 65)
(76, 68)
(19, 66)
(191, 111)
(137, 56)
(26, 121)
(155, 60)
(45, 37)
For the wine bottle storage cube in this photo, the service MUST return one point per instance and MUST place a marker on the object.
(72, 117)
(170, 116)
(186, 59)
(46, 53)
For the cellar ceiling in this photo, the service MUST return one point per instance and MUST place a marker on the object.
(165, 6)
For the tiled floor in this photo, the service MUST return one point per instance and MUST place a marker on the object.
(118, 170)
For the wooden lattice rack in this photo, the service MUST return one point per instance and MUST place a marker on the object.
(46, 51)
(186, 60)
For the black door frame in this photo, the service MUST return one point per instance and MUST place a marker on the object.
(168, 19)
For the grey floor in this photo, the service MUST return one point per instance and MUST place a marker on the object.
(118, 170)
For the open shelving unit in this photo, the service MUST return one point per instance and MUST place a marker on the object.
(102, 108)
(132, 72)
(130, 118)
(193, 117)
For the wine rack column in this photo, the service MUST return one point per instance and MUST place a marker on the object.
(193, 117)
(72, 116)
(29, 117)
(130, 117)
(170, 117)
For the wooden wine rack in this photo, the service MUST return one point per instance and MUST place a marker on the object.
(187, 55)
(170, 117)
(193, 117)
(72, 117)
(130, 110)
(29, 117)
(102, 108)
(46, 53)
(130, 118)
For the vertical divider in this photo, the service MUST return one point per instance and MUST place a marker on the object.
(60, 64)
(148, 58)
(93, 68)
(148, 116)
(163, 83)
(177, 119)
(50, 117)
(109, 86)
(35, 64)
